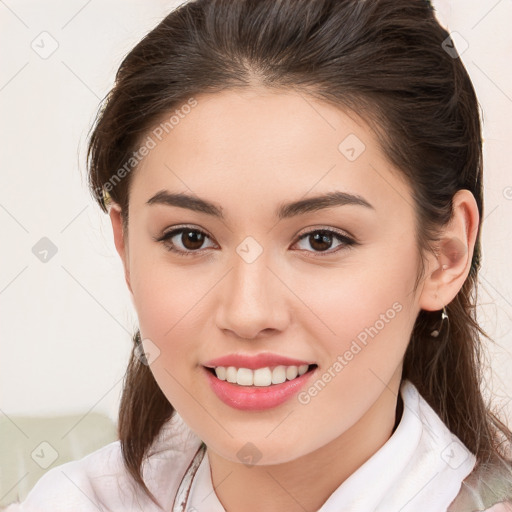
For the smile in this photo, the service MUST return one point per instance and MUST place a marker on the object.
(255, 389)
(261, 377)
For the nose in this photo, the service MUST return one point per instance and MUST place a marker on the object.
(252, 301)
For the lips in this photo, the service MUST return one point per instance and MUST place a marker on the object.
(254, 362)
(253, 398)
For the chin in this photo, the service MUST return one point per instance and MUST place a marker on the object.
(260, 452)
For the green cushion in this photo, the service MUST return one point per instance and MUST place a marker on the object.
(30, 446)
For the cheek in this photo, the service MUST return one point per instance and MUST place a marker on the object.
(361, 328)
(173, 305)
(365, 311)
(354, 296)
(164, 294)
(168, 304)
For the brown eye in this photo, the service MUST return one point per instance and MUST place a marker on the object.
(192, 239)
(184, 241)
(321, 240)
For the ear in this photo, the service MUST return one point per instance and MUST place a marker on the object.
(449, 270)
(120, 240)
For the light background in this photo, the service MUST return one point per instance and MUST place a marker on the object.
(66, 325)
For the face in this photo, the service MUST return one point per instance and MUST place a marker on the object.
(331, 287)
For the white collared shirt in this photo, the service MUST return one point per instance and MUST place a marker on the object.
(419, 469)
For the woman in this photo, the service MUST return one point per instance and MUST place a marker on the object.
(295, 190)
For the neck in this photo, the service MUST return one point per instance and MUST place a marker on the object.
(289, 486)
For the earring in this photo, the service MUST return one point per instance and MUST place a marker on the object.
(444, 316)
(106, 197)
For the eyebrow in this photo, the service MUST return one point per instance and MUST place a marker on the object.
(284, 211)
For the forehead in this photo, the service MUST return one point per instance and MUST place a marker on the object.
(265, 146)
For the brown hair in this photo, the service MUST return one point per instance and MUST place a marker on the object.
(386, 60)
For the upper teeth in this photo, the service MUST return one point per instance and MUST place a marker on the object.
(260, 377)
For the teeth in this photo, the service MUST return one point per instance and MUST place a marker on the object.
(221, 372)
(230, 374)
(278, 374)
(244, 377)
(261, 376)
(303, 368)
(291, 372)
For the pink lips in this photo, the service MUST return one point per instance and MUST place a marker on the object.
(254, 362)
(255, 397)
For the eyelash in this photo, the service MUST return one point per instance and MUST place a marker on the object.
(347, 242)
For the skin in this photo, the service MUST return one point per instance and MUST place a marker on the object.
(250, 151)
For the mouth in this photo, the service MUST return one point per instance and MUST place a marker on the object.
(267, 376)
(260, 388)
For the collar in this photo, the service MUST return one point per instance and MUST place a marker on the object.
(419, 469)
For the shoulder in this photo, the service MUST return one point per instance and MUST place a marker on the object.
(504, 506)
(100, 480)
(488, 489)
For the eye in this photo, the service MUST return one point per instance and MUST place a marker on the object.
(188, 241)
(184, 241)
(321, 240)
